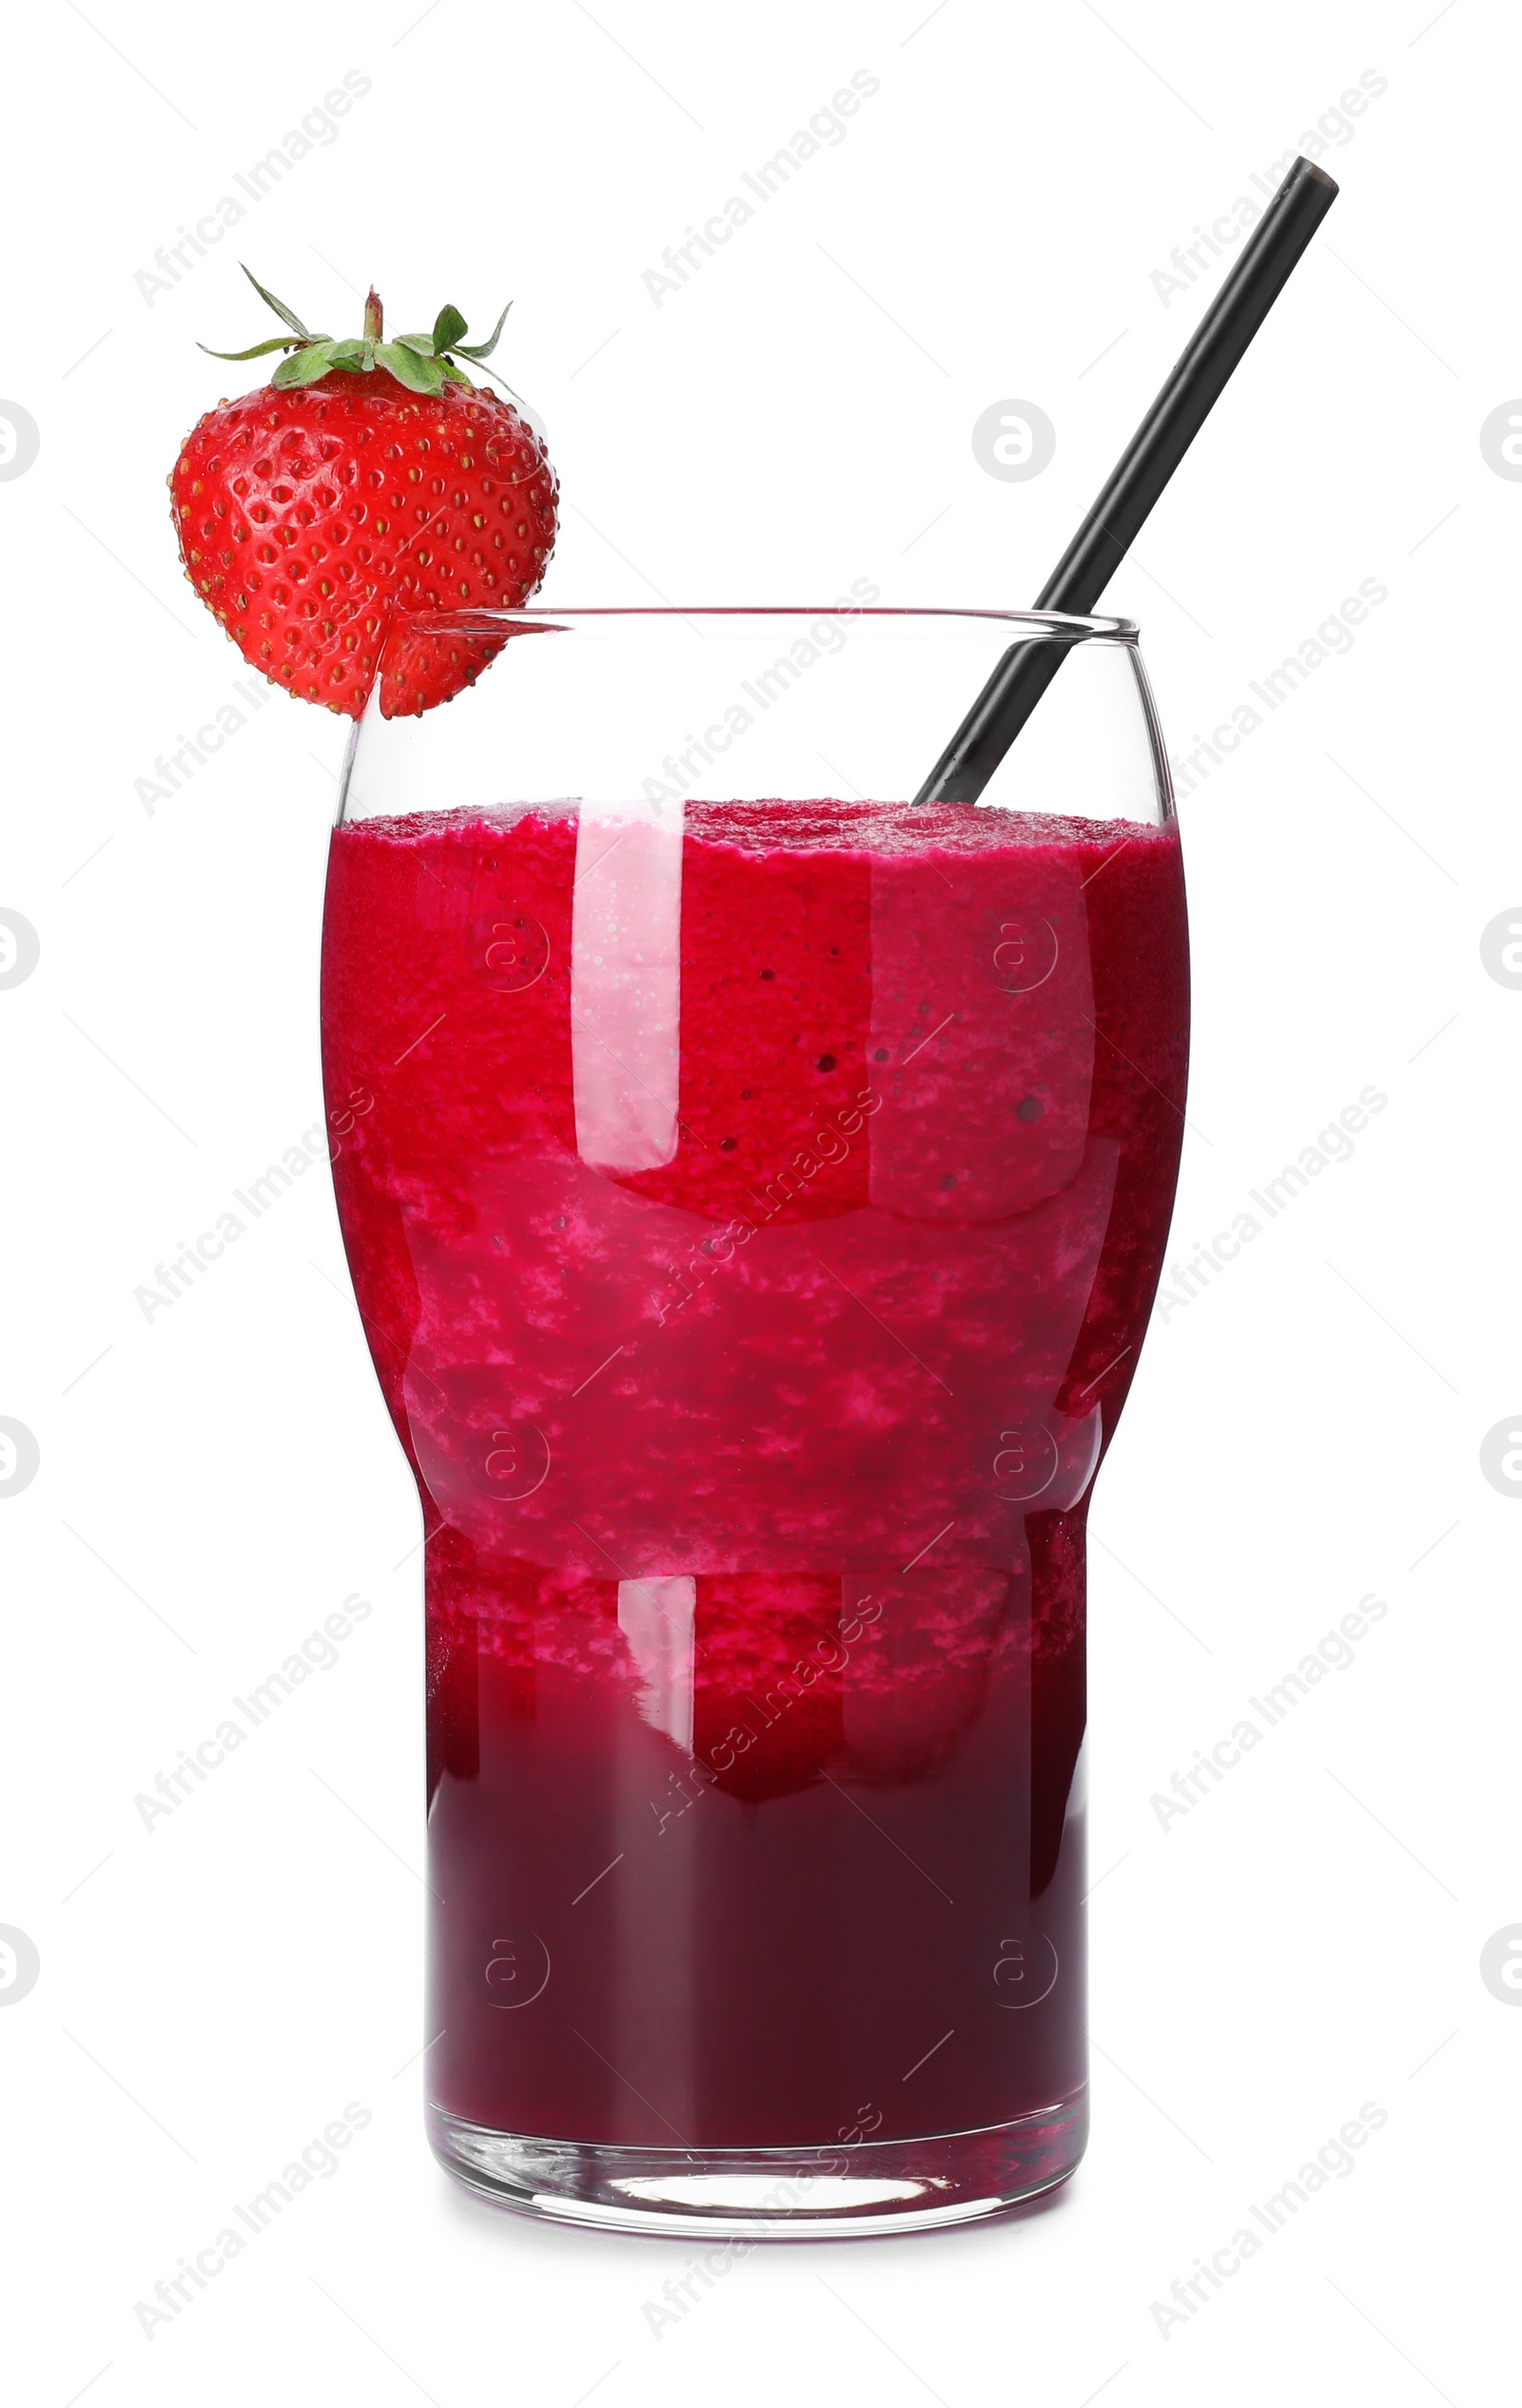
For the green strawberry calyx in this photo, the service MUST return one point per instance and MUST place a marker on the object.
(422, 362)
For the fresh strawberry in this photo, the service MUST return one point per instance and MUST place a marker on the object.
(367, 482)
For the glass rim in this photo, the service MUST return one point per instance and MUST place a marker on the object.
(1064, 626)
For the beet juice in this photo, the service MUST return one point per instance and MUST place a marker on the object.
(755, 1364)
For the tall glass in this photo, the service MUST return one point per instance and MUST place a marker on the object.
(754, 1188)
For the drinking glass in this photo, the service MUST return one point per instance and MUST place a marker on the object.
(755, 1187)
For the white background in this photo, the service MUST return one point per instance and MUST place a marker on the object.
(1308, 1430)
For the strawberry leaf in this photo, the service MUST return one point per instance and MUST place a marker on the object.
(479, 350)
(409, 368)
(304, 367)
(255, 350)
(422, 362)
(279, 307)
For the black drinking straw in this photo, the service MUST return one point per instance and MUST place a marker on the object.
(1145, 467)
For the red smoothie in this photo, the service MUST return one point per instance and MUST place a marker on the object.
(753, 1304)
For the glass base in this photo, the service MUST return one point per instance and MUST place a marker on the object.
(823, 2192)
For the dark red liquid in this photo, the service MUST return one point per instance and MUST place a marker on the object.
(756, 1476)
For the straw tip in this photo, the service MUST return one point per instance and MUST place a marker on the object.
(1306, 171)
